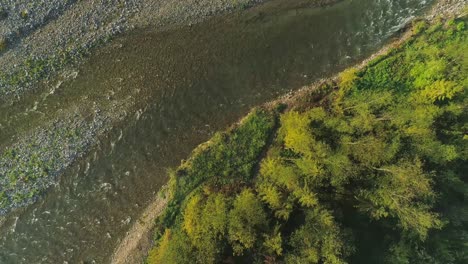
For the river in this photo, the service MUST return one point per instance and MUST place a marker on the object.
(190, 82)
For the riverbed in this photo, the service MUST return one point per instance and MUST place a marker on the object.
(170, 91)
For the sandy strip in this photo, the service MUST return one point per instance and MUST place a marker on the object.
(138, 241)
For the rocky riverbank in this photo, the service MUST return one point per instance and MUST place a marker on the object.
(33, 164)
(38, 39)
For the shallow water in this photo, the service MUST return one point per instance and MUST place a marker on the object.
(184, 84)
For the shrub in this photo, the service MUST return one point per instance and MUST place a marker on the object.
(24, 14)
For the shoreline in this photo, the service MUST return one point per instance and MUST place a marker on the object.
(137, 241)
(133, 245)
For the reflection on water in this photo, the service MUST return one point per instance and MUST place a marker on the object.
(189, 82)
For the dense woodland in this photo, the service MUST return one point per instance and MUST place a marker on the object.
(369, 169)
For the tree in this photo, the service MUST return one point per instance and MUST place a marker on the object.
(174, 248)
(246, 219)
(318, 240)
(400, 192)
(205, 222)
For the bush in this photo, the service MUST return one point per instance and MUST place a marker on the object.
(24, 14)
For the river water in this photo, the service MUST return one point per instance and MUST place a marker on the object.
(191, 81)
